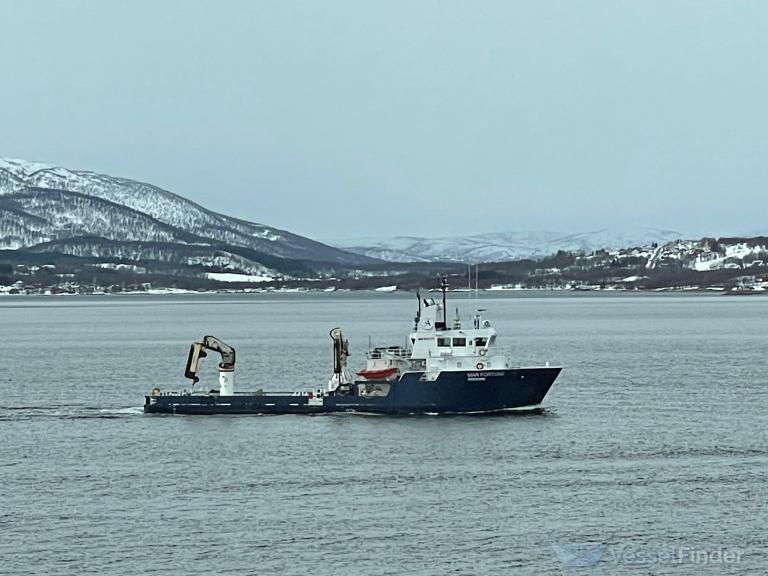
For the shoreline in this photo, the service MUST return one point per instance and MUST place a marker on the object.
(486, 293)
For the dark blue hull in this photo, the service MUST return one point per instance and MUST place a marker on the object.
(450, 393)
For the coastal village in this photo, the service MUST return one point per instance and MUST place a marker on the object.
(735, 265)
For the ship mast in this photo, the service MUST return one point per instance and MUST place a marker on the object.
(415, 320)
(444, 287)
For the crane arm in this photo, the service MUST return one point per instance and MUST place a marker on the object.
(197, 351)
(340, 351)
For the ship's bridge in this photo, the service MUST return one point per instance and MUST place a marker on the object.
(444, 346)
(436, 345)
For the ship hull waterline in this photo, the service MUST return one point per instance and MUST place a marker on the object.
(451, 392)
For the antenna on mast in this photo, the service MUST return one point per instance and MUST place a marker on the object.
(418, 314)
(444, 287)
(477, 267)
(469, 280)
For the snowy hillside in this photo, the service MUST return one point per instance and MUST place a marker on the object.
(33, 209)
(497, 247)
(39, 215)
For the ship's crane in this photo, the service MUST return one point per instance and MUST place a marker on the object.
(226, 367)
(340, 355)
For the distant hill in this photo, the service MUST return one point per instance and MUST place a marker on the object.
(53, 209)
(498, 247)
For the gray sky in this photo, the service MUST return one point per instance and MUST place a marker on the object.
(336, 119)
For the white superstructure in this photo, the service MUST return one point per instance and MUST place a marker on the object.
(436, 345)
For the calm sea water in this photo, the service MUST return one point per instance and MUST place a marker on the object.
(653, 443)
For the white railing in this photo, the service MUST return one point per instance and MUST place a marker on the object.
(391, 352)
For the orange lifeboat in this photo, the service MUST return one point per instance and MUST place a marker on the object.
(379, 374)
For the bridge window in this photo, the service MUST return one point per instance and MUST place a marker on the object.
(444, 342)
(481, 341)
(459, 341)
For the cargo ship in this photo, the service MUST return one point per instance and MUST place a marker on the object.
(445, 368)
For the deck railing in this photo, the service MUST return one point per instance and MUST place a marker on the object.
(390, 352)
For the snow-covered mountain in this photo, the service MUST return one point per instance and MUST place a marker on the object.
(497, 247)
(44, 204)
